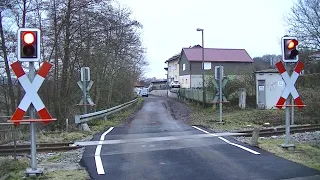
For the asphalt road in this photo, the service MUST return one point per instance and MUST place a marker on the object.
(155, 146)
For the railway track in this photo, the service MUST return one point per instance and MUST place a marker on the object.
(66, 146)
(44, 147)
(281, 130)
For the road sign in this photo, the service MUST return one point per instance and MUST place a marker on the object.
(31, 89)
(88, 98)
(289, 88)
(28, 44)
(217, 96)
(217, 72)
(85, 74)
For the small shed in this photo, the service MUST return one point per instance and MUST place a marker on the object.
(269, 87)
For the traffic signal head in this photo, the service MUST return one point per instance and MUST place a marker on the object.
(289, 49)
(28, 44)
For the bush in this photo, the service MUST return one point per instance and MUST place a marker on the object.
(308, 81)
(310, 113)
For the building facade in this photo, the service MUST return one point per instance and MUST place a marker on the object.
(234, 61)
(173, 68)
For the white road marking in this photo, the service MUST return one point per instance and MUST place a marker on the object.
(97, 158)
(227, 141)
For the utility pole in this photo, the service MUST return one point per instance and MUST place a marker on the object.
(220, 92)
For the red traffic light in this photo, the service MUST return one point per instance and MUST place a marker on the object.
(289, 49)
(28, 38)
(291, 44)
(28, 44)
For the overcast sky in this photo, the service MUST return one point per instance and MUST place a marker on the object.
(169, 25)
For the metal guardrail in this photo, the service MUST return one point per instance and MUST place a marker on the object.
(87, 117)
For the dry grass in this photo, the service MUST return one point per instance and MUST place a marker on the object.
(70, 175)
(62, 137)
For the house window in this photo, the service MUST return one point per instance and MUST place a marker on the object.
(207, 65)
(175, 67)
(186, 81)
(184, 67)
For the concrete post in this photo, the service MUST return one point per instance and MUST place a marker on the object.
(255, 136)
(242, 98)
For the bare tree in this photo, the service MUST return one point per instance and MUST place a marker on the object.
(304, 22)
(93, 33)
(6, 61)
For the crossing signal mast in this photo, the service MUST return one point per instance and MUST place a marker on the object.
(29, 44)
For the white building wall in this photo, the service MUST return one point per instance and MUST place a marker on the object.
(274, 85)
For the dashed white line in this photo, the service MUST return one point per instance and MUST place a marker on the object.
(227, 141)
(97, 157)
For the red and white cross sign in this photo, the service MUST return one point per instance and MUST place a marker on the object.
(31, 89)
(290, 88)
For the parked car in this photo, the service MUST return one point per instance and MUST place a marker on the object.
(144, 92)
(174, 84)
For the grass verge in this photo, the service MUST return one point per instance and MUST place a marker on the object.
(234, 118)
(10, 169)
(14, 170)
(304, 153)
(70, 175)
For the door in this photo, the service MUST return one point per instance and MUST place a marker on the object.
(261, 94)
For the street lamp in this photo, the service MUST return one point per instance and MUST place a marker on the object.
(203, 88)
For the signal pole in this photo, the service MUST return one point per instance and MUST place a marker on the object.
(289, 55)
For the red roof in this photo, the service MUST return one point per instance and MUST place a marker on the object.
(216, 54)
